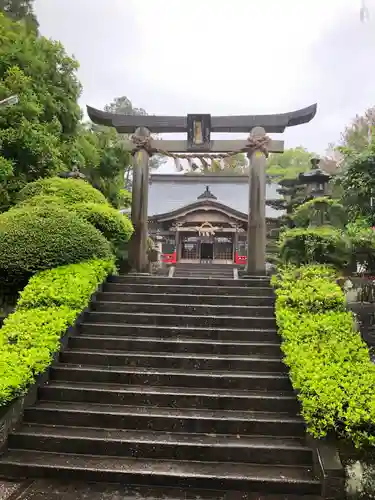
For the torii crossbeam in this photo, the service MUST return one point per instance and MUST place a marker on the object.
(199, 128)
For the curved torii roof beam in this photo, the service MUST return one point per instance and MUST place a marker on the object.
(275, 123)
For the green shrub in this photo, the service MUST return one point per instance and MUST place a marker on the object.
(320, 211)
(330, 365)
(69, 285)
(308, 288)
(34, 239)
(42, 201)
(320, 245)
(362, 238)
(70, 190)
(115, 226)
(31, 335)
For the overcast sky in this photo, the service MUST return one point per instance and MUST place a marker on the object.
(223, 57)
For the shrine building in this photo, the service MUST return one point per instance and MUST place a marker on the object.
(203, 218)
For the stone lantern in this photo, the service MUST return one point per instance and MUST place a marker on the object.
(316, 180)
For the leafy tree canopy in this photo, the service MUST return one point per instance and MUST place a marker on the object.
(34, 132)
(20, 10)
(288, 165)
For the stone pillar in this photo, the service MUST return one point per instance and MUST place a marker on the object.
(138, 258)
(256, 231)
(177, 245)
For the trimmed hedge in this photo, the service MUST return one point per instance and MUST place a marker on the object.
(34, 239)
(329, 364)
(70, 190)
(31, 335)
(319, 245)
(115, 226)
(70, 285)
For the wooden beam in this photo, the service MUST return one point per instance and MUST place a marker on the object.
(274, 123)
(221, 146)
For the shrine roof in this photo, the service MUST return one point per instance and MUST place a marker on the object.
(170, 192)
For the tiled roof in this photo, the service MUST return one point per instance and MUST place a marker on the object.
(168, 192)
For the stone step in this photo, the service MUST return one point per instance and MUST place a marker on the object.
(167, 298)
(174, 345)
(47, 489)
(159, 280)
(184, 309)
(143, 318)
(174, 288)
(165, 419)
(159, 445)
(182, 361)
(177, 474)
(170, 397)
(172, 378)
(203, 274)
(180, 332)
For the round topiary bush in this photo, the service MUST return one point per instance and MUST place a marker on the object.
(41, 201)
(315, 245)
(70, 190)
(37, 238)
(116, 227)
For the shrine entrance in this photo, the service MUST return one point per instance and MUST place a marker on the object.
(198, 144)
(207, 251)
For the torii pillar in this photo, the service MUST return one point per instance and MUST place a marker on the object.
(257, 227)
(138, 257)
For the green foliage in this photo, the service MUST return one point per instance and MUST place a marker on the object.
(362, 238)
(356, 136)
(28, 340)
(70, 285)
(308, 288)
(34, 239)
(357, 183)
(320, 211)
(99, 153)
(34, 131)
(115, 226)
(329, 364)
(288, 165)
(72, 191)
(20, 10)
(123, 105)
(50, 303)
(320, 245)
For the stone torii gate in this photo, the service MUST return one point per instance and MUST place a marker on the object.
(199, 144)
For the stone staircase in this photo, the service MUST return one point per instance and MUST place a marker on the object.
(176, 389)
(203, 270)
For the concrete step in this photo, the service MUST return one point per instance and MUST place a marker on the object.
(143, 318)
(167, 298)
(181, 361)
(184, 309)
(174, 345)
(172, 377)
(160, 445)
(184, 420)
(158, 280)
(203, 333)
(190, 289)
(170, 397)
(178, 474)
